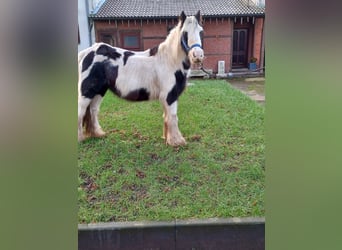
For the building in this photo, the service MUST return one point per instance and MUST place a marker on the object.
(233, 29)
(86, 32)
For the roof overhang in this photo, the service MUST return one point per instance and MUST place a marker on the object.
(172, 17)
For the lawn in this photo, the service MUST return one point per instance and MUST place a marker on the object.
(132, 175)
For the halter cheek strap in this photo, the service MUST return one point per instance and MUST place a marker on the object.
(186, 47)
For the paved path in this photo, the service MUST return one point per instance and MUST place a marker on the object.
(252, 87)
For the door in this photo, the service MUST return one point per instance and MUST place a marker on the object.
(240, 48)
(108, 38)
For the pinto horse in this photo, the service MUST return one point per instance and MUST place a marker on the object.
(157, 73)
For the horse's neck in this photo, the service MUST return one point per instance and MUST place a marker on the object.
(171, 49)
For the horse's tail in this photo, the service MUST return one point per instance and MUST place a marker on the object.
(87, 123)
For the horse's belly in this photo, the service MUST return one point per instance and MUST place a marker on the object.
(137, 88)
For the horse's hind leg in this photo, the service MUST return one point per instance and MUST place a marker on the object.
(83, 104)
(94, 111)
(164, 127)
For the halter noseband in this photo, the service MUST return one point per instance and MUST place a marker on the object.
(186, 47)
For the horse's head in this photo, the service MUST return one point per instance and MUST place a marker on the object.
(191, 37)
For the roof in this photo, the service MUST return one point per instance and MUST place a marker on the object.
(145, 9)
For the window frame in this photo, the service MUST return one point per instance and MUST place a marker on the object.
(134, 33)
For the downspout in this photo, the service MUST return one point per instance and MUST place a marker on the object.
(89, 22)
(262, 56)
(231, 44)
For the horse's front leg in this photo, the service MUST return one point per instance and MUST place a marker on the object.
(172, 134)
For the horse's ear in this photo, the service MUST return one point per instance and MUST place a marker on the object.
(199, 17)
(182, 17)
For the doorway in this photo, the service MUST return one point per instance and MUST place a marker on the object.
(240, 48)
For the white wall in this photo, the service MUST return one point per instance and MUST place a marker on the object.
(84, 8)
(83, 25)
(260, 3)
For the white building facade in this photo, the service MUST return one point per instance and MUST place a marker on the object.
(86, 33)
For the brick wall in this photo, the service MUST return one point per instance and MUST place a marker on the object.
(217, 37)
(257, 45)
(152, 32)
(217, 43)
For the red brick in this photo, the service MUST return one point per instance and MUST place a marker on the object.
(217, 36)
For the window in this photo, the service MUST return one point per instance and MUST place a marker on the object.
(130, 40)
(108, 38)
(107, 35)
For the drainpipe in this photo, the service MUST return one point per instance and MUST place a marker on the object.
(90, 31)
(262, 56)
(89, 22)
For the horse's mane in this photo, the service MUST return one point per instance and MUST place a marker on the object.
(173, 33)
(172, 42)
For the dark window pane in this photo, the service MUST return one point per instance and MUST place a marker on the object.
(235, 40)
(131, 42)
(242, 40)
(108, 39)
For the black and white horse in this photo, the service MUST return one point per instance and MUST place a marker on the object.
(158, 73)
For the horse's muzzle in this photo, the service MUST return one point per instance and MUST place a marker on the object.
(196, 55)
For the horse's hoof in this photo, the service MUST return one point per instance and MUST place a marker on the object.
(98, 133)
(81, 138)
(175, 142)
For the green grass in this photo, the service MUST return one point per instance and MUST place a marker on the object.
(132, 175)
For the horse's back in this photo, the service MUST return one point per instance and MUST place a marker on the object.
(101, 48)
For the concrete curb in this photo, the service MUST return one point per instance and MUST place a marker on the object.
(214, 233)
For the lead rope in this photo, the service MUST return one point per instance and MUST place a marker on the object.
(210, 75)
